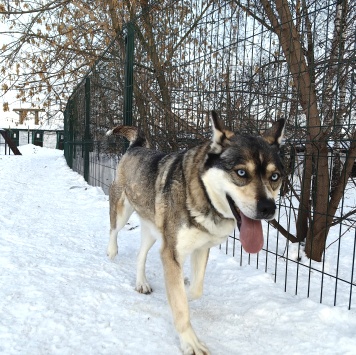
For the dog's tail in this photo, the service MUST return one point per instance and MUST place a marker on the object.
(132, 134)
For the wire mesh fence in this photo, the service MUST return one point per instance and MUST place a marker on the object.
(254, 62)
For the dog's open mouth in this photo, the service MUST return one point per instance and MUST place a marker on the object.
(251, 235)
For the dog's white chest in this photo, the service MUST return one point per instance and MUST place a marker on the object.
(190, 239)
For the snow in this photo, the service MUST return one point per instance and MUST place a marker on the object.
(60, 294)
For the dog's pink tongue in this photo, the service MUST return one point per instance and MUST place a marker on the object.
(251, 235)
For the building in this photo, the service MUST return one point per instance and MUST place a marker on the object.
(26, 126)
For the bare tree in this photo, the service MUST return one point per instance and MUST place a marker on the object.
(49, 45)
(52, 45)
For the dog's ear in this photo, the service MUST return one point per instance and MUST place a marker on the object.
(274, 135)
(221, 136)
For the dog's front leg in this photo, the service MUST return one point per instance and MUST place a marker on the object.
(199, 259)
(178, 301)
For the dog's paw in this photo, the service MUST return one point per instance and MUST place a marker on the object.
(111, 252)
(143, 287)
(191, 345)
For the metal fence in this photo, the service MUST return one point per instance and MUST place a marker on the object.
(254, 62)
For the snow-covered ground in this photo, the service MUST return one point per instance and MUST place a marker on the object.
(59, 293)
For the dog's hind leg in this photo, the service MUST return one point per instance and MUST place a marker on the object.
(198, 259)
(178, 301)
(120, 212)
(147, 240)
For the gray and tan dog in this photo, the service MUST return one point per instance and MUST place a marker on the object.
(191, 201)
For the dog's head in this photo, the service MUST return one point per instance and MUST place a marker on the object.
(243, 175)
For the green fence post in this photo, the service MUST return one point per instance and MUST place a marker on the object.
(87, 129)
(129, 61)
(71, 134)
(68, 133)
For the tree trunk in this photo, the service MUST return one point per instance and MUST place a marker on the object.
(316, 236)
(304, 203)
(315, 243)
(315, 149)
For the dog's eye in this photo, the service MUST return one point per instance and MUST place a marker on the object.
(275, 177)
(241, 173)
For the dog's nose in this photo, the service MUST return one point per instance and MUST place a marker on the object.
(266, 208)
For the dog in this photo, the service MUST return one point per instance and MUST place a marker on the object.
(192, 201)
